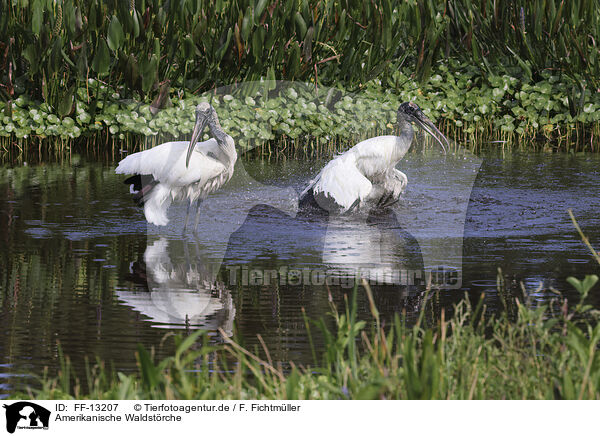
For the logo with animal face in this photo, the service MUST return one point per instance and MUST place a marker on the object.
(26, 415)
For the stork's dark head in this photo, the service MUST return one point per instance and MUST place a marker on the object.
(203, 111)
(410, 109)
(412, 113)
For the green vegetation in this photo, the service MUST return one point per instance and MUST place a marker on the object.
(101, 70)
(503, 109)
(193, 44)
(524, 353)
(52, 46)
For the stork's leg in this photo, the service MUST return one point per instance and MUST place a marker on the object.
(186, 253)
(389, 200)
(392, 202)
(385, 198)
(187, 218)
(354, 206)
(197, 219)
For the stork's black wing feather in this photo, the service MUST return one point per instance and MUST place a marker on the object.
(142, 185)
(139, 180)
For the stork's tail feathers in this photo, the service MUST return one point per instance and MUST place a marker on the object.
(146, 191)
(156, 203)
(152, 196)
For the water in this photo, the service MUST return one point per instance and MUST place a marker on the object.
(81, 270)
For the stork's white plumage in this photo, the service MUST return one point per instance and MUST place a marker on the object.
(181, 170)
(365, 175)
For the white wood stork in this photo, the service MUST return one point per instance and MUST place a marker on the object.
(166, 173)
(365, 175)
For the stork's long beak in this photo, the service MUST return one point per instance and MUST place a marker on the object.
(426, 124)
(198, 129)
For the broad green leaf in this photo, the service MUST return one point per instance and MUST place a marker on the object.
(66, 102)
(101, 62)
(38, 15)
(115, 34)
(259, 9)
(300, 25)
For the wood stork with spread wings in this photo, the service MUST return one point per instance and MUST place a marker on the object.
(168, 173)
(366, 175)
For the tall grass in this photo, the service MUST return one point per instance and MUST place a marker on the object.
(50, 48)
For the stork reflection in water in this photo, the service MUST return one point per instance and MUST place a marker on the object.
(366, 176)
(182, 289)
(168, 173)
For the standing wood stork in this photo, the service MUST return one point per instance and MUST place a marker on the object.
(166, 172)
(366, 175)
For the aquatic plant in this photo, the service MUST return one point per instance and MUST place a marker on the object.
(50, 48)
(503, 109)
